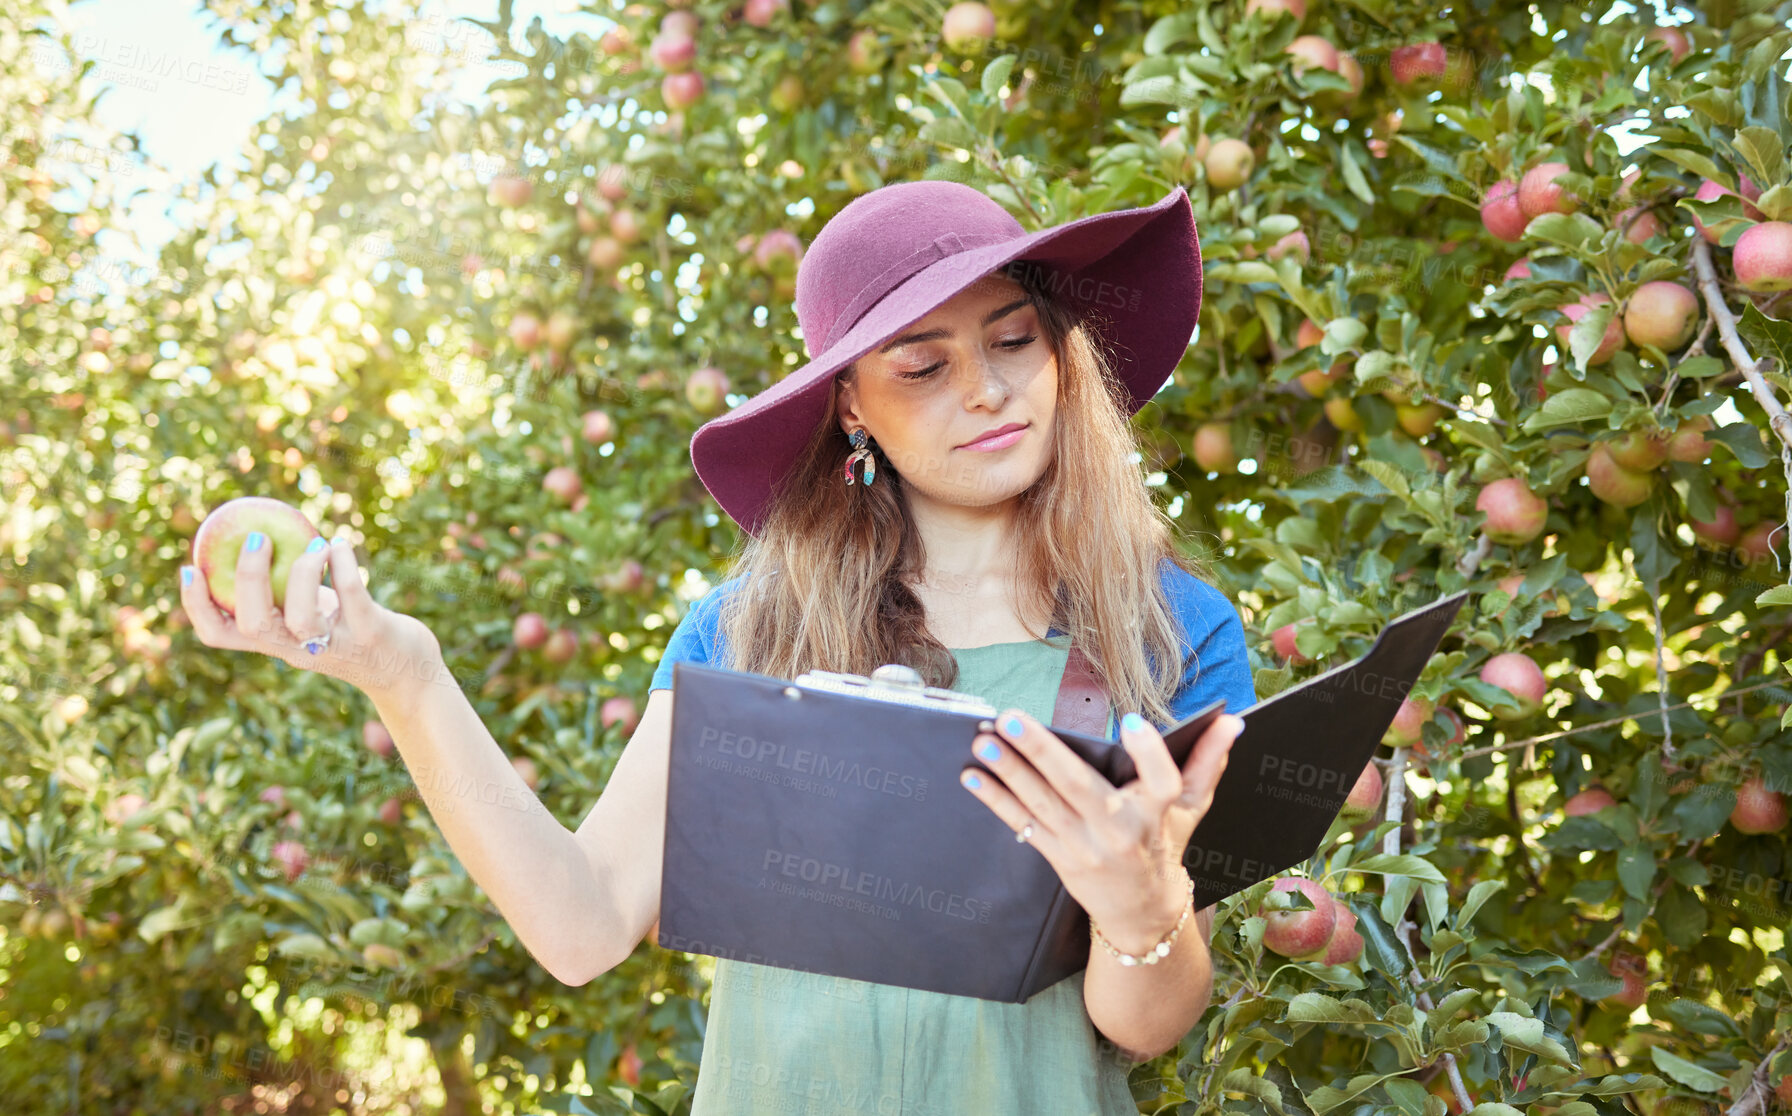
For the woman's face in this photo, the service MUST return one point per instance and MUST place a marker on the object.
(979, 362)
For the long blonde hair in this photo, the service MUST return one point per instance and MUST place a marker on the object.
(827, 581)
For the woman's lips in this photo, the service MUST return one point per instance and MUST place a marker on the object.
(1000, 441)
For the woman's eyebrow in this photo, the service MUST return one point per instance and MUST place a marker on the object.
(936, 334)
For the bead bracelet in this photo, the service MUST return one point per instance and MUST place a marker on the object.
(1160, 950)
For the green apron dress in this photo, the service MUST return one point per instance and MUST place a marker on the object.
(783, 1041)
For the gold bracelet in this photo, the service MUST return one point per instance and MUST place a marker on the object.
(1160, 950)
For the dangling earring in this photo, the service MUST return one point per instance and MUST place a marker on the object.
(860, 453)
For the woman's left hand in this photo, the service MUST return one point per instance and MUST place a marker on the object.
(1117, 849)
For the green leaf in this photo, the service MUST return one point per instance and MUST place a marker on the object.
(1699, 367)
(1763, 151)
(1690, 1074)
(1477, 895)
(1400, 864)
(1169, 30)
(1699, 1018)
(1494, 1108)
(1314, 1007)
(1780, 596)
(951, 131)
(995, 75)
(1694, 161)
(1589, 333)
(1570, 230)
(1636, 869)
(1571, 406)
(1353, 175)
(1408, 1095)
(1374, 365)
(307, 947)
(1527, 1034)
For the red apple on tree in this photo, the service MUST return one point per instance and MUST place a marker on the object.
(1500, 214)
(1515, 514)
(1229, 163)
(1520, 269)
(1313, 52)
(1710, 191)
(1609, 343)
(377, 740)
(529, 631)
(220, 539)
(1272, 9)
(1213, 449)
(1762, 257)
(760, 13)
(1418, 62)
(1612, 482)
(673, 52)
(274, 796)
(1688, 442)
(560, 330)
(681, 90)
(525, 331)
(1673, 38)
(1365, 795)
(1721, 530)
(1756, 543)
(1346, 944)
(967, 26)
(865, 52)
(629, 577)
(597, 427)
(1589, 801)
(679, 23)
(1538, 192)
(619, 710)
(561, 647)
(124, 807)
(1519, 675)
(605, 253)
(1407, 729)
(562, 481)
(1283, 640)
(1639, 450)
(292, 858)
(1758, 810)
(1300, 934)
(1633, 971)
(526, 768)
(706, 390)
(1662, 314)
(1293, 244)
(1638, 223)
(511, 190)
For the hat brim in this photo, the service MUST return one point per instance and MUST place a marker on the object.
(1135, 272)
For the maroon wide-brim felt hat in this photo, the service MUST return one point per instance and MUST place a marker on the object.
(895, 254)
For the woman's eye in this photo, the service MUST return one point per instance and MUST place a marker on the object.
(1017, 343)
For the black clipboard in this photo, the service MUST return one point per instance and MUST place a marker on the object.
(823, 830)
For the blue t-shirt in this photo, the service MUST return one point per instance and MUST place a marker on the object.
(1215, 662)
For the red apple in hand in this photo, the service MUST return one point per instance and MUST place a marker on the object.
(377, 739)
(220, 538)
(1300, 933)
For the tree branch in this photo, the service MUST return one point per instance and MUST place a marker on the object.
(1754, 1098)
(1739, 354)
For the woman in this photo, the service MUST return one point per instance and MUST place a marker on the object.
(964, 366)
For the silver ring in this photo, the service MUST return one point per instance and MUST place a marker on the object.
(315, 646)
(1026, 831)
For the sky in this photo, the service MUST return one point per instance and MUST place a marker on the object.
(164, 75)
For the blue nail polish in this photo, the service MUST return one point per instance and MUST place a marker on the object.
(256, 538)
(1012, 726)
(971, 780)
(1132, 722)
(989, 751)
(316, 545)
(186, 575)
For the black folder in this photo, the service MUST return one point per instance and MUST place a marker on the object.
(814, 829)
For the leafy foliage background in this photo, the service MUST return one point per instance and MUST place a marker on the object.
(333, 327)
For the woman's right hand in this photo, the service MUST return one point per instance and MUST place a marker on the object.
(382, 653)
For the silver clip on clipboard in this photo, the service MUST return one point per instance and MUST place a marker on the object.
(892, 682)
